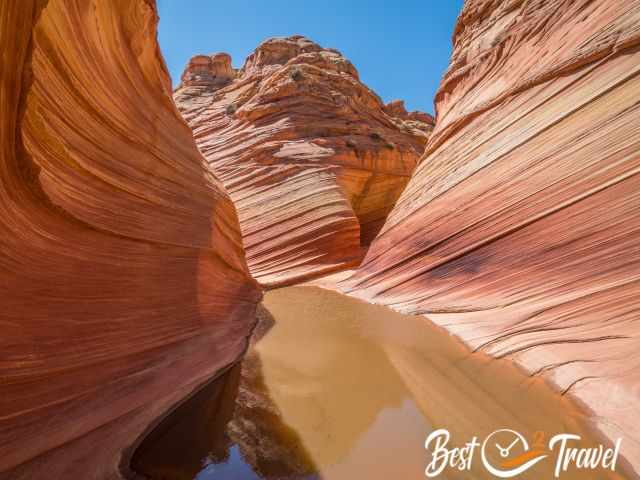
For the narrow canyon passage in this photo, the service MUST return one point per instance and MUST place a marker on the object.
(336, 388)
(140, 224)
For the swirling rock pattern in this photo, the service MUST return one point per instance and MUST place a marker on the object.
(311, 157)
(519, 229)
(121, 263)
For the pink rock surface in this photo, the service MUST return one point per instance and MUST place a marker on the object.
(519, 229)
(311, 157)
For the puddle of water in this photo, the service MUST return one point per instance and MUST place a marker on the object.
(335, 388)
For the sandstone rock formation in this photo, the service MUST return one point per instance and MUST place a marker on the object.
(121, 264)
(311, 157)
(121, 257)
(519, 229)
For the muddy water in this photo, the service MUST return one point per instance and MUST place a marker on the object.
(335, 388)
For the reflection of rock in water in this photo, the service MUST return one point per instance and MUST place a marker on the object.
(265, 322)
(350, 390)
(196, 429)
(272, 448)
(235, 408)
(329, 381)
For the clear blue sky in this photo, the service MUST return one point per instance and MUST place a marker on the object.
(400, 47)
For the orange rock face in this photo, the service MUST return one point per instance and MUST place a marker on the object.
(311, 157)
(519, 229)
(121, 264)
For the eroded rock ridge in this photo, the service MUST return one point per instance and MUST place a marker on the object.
(311, 157)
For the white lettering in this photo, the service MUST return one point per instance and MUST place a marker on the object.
(583, 458)
(441, 457)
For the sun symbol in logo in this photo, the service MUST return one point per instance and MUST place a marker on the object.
(505, 453)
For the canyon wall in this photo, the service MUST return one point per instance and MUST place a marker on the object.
(122, 268)
(519, 230)
(122, 276)
(312, 158)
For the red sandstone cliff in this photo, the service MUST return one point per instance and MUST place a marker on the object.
(311, 157)
(519, 229)
(121, 264)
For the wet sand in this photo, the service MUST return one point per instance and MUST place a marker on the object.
(336, 388)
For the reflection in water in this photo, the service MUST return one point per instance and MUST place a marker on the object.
(339, 389)
(229, 430)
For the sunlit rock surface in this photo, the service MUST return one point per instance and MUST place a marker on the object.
(519, 229)
(311, 157)
(122, 276)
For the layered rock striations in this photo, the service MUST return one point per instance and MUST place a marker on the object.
(122, 273)
(519, 229)
(122, 276)
(311, 157)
